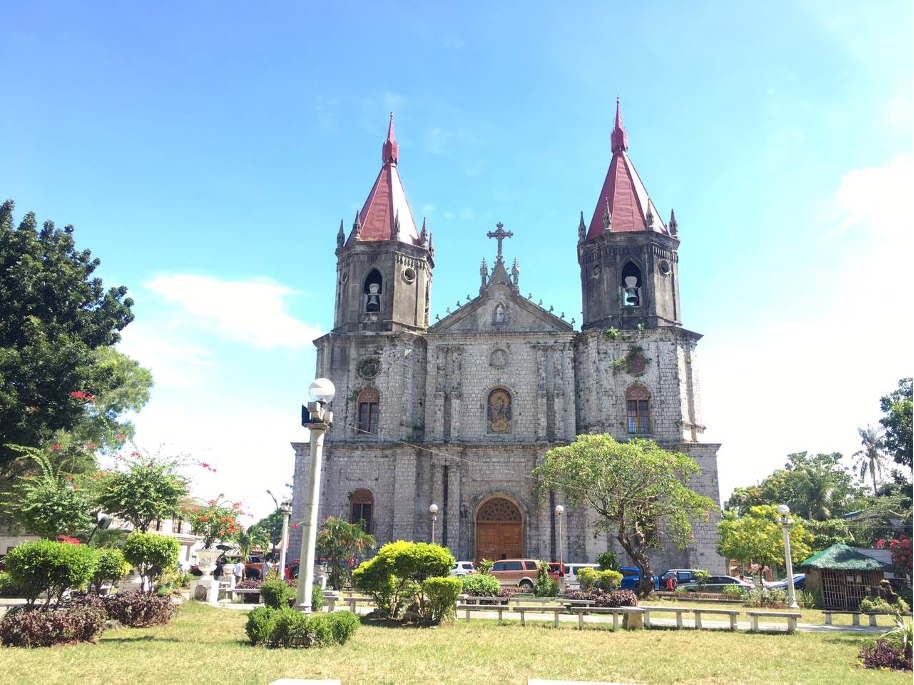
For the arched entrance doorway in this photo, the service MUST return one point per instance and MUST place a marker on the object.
(499, 530)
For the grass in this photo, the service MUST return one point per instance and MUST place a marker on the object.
(205, 645)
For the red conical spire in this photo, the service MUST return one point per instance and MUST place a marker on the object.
(623, 205)
(386, 214)
(390, 151)
(619, 136)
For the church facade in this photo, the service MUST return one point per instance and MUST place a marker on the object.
(458, 412)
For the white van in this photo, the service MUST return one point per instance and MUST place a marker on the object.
(571, 574)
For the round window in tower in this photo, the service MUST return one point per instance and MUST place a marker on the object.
(409, 275)
(665, 267)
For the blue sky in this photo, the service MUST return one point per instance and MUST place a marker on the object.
(206, 153)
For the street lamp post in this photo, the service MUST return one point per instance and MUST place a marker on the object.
(273, 532)
(286, 513)
(433, 510)
(317, 419)
(559, 510)
(786, 522)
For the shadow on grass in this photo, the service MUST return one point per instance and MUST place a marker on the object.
(141, 638)
(394, 623)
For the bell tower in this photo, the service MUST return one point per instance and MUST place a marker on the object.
(628, 257)
(384, 266)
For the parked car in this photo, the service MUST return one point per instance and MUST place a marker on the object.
(571, 574)
(557, 570)
(680, 575)
(463, 568)
(519, 572)
(799, 583)
(717, 584)
(631, 576)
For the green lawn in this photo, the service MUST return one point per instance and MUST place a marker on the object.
(205, 645)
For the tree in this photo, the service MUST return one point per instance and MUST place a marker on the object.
(151, 555)
(50, 503)
(757, 537)
(216, 521)
(271, 524)
(816, 486)
(639, 492)
(827, 533)
(254, 536)
(897, 407)
(142, 490)
(870, 459)
(58, 321)
(341, 542)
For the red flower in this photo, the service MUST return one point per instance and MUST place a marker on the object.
(202, 518)
(119, 436)
(212, 502)
(55, 447)
(149, 465)
(880, 544)
(193, 508)
(134, 453)
(295, 525)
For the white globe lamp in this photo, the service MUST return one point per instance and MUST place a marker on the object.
(322, 390)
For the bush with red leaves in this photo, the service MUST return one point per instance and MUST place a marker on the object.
(883, 654)
(138, 609)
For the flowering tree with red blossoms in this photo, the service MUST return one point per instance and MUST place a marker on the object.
(900, 549)
(218, 520)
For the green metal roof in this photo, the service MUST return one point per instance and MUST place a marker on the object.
(843, 558)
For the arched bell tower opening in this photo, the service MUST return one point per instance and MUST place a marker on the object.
(499, 530)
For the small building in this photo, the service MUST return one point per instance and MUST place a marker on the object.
(841, 576)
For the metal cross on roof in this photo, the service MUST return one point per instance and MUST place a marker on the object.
(499, 234)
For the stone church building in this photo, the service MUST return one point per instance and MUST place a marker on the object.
(457, 412)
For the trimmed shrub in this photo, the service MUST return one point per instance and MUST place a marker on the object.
(111, 567)
(480, 585)
(600, 598)
(295, 630)
(139, 609)
(772, 599)
(440, 595)
(317, 597)
(151, 555)
(587, 577)
(260, 625)
(735, 592)
(40, 627)
(276, 594)
(7, 587)
(609, 579)
(884, 655)
(50, 567)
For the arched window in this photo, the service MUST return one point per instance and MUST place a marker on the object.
(637, 402)
(372, 291)
(361, 504)
(499, 411)
(368, 402)
(631, 285)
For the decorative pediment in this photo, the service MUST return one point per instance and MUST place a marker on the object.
(500, 309)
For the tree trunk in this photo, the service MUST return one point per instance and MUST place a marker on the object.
(639, 559)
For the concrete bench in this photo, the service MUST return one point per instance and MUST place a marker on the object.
(855, 616)
(467, 608)
(732, 613)
(791, 617)
(520, 609)
(352, 601)
(231, 592)
(475, 599)
(615, 611)
(535, 600)
(679, 611)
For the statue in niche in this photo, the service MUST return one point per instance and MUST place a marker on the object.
(498, 358)
(498, 417)
(501, 316)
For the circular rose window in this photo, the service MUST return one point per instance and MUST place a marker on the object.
(409, 275)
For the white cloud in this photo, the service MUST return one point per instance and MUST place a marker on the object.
(878, 198)
(827, 344)
(251, 311)
(174, 363)
(248, 446)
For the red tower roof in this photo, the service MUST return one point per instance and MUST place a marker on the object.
(623, 194)
(387, 204)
